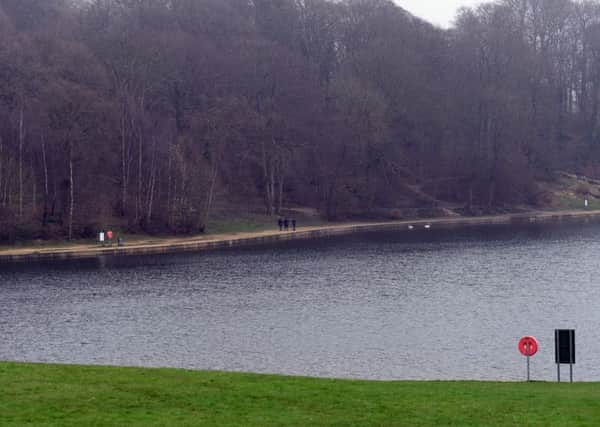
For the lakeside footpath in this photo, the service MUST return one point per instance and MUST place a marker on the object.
(219, 241)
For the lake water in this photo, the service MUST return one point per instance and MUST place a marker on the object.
(428, 304)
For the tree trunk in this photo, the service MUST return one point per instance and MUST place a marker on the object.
(150, 198)
(280, 192)
(140, 162)
(271, 190)
(71, 190)
(1, 169)
(492, 192)
(169, 185)
(54, 199)
(34, 191)
(21, 141)
(211, 192)
(46, 192)
(151, 184)
(4, 188)
(268, 179)
(138, 197)
(123, 163)
(470, 198)
(6, 196)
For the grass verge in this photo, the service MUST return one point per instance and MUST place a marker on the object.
(215, 227)
(55, 395)
(577, 203)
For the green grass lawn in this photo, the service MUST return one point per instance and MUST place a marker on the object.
(42, 395)
(242, 224)
(249, 223)
(577, 203)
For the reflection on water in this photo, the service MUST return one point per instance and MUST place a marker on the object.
(438, 304)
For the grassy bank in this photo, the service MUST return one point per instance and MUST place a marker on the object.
(42, 395)
(215, 227)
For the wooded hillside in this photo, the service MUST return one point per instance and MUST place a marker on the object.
(149, 112)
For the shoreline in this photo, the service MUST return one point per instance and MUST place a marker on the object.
(207, 243)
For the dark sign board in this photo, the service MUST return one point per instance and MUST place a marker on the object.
(564, 344)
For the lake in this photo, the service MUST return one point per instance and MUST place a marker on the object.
(428, 304)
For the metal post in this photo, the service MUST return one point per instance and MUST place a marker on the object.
(571, 339)
(528, 377)
(556, 350)
(571, 371)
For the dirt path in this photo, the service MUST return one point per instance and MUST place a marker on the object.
(207, 242)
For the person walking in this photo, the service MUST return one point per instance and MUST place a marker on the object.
(280, 223)
(286, 224)
(293, 224)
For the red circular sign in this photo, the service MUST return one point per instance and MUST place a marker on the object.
(528, 346)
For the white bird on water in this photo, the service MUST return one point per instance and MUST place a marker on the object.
(428, 226)
(411, 227)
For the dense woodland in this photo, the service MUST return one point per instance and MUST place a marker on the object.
(150, 113)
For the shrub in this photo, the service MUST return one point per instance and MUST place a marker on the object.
(583, 189)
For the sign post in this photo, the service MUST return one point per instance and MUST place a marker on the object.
(528, 346)
(564, 350)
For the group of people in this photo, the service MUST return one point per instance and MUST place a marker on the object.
(285, 223)
(105, 237)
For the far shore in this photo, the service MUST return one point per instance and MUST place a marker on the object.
(156, 246)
